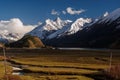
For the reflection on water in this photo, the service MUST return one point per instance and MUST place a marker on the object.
(17, 71)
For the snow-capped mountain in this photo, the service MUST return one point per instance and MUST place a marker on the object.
(54, 29)
(105, 14)
(101, 33)
(72, 28)
(5, 36)
(111, 17)
(79, 24)
(13, 29)
(56, 24)
(49, 27)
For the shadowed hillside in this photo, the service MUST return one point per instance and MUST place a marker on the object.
(27, 41)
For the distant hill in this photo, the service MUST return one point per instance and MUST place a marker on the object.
(27, 42)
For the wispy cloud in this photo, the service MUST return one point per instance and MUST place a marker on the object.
(15, 25)
(39, 23)
(69, 10)
(54, 12)
(64, 12)
(72, 11)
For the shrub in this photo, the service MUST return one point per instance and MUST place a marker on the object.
(114, 72)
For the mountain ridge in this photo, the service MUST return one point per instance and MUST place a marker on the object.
(99, 34)
(51, 29)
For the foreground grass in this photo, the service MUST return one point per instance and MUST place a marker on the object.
(114, 72)
(48, 67)
(57, 77)
(61, 71)
(56, 61)
(2, 69)
(61, 65)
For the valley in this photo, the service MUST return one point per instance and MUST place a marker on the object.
(60, 40)
(61, 64)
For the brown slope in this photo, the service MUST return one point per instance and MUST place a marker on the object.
(27, 42)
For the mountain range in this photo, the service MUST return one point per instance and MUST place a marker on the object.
(6, 36)
(103, 32)
(57, 28)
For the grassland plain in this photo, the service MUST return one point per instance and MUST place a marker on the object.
(2, 69)
(48, 64)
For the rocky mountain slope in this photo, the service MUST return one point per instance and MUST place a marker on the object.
(57, 28)
(102, 33)
(6, 36)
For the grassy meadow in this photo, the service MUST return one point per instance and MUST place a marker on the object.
(48, 64)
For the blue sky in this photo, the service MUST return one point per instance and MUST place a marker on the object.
(33, 11)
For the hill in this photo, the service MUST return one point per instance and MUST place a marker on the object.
(27, 42)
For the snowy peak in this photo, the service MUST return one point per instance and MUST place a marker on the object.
(56, 24)
(58, 20)
(71, 28)
(57, 28)
(79, 24)
(48, 21)
(105, 14)
(49, 27)
(81, 21)
(9, 37)
(97, 34)
(112, 16)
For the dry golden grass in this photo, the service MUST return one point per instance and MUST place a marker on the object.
(11, 77)
(61, 71)
(56, 77)
(114, 72)
(71, 64)
(2, 69)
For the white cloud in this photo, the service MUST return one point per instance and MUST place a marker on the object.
(39, 23)
(64, 12)
(53, 12)
(15, 25)
(73, 11)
